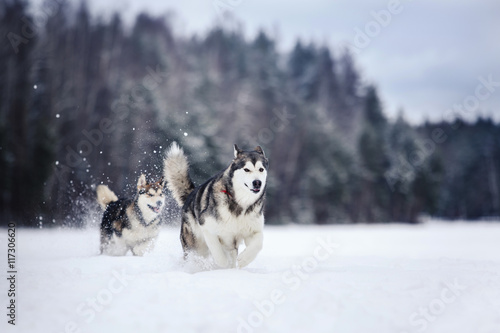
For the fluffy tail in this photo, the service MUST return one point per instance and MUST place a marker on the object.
(175, 169)
(105, 196)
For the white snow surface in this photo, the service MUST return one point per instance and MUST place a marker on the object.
(432, 277)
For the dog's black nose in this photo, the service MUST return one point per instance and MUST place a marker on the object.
(159, 203)
(257, 184)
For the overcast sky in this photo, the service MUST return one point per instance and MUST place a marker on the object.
(425, 56)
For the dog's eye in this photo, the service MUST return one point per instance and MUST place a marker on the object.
(261, 169)
(246, 170)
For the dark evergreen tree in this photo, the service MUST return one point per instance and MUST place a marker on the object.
(373, 150)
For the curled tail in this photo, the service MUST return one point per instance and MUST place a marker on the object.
(105, 196)
(175, 169)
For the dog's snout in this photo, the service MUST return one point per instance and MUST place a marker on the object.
(257, 183)
(159, 203)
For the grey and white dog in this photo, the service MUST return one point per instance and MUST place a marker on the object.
(223, 212)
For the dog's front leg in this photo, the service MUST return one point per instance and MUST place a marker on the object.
(143, 247)
(232, 257)
(253, 244)
(216, 249)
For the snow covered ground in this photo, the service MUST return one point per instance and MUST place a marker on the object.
(435, 277)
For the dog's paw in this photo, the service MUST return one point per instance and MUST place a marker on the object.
(243, 261)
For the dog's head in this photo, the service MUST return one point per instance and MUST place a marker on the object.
(249, 170)
(150, 195)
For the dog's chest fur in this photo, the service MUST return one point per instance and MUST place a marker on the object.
(242, 222)
(138, 232)
(233, 228)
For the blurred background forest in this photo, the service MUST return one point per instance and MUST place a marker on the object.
(85, 101)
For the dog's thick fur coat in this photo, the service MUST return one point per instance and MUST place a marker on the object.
(130, 224)
(223, 212)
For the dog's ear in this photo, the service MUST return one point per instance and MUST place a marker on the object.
(141, 182)
(260, 150)
(237, 150)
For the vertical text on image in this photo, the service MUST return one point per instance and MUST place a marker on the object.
(11, 273)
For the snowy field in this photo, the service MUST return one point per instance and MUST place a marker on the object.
(435, 277)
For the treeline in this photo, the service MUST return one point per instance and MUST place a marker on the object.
(86, 100)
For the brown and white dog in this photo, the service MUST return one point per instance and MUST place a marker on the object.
(131, 224)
